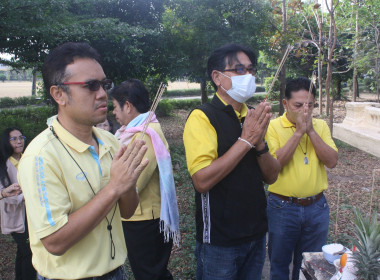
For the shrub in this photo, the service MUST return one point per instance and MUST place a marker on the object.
(275, 93)
(260, 89)
(7, 102)
(186, 104)
(164, 108)
(31, 120)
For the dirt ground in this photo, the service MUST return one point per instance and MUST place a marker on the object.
(355, 181)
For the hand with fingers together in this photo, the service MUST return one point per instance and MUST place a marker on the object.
(127, 165)
(12, 190)
(304, 120)
(309, 119)
(256, 123)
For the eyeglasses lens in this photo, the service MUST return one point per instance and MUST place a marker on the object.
(21, 138)
(94, 85)
(242, 70)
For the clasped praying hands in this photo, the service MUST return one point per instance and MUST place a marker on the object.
(304, 123)
(256, 123)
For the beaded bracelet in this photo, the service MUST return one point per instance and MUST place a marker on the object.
(250, 145)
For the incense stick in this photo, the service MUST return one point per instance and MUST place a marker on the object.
(312, 81)
(287, 51)
(337, 211)
(152, 109)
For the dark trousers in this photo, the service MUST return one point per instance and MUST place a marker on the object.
(148, 255)
(24, 267)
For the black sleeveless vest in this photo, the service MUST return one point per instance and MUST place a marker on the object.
(234, 210)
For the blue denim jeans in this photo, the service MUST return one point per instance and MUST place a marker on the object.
(117, 274)
(294, 229)
(240, 262)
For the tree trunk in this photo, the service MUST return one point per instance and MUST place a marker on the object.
(331, 47)
(355, 72)
(377, 79)
(338, 89)
(204, 97)
(34, 81)
(320, 86)
(357, 87)
(282, 79)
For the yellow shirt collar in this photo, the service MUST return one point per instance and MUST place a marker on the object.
(242, 113)
(285, 122)
(71, 140)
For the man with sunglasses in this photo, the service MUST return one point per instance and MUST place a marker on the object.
(228, 161)
(76, 183)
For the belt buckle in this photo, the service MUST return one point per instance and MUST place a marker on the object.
(303, 201)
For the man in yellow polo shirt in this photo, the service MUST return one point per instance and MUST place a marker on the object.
(298, 213)
(75, 181)
(228, 161)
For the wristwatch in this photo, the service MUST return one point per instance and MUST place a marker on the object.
(263, 151)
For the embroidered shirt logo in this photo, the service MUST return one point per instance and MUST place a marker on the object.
(81, 176)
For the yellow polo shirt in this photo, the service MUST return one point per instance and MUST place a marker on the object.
(148, 184)
(54, 187)
(200, 139)
(296, 178)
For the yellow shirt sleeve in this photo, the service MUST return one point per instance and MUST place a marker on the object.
(326, 136)
(200, 140)
(48, 203)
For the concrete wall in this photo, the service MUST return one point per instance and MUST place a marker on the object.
(361, 127)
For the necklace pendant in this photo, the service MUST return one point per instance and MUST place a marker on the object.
(306, 160)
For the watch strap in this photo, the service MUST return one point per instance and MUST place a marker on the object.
(263, 151)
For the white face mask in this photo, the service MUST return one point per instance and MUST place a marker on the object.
(243, 87)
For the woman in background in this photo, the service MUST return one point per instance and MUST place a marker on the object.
(106, 125)
(12, 208)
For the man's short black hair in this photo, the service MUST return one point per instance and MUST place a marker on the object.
(298, 84)
(135, 92)
(54, 67)
(227, 55)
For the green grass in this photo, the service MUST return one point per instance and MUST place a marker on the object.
(340, 144)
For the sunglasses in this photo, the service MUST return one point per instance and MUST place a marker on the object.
(21, 138)
(241, 70)
(93, 85)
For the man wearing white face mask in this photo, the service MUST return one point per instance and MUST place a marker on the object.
(228, 161)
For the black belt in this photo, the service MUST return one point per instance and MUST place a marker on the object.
(303, 201)
(105, 276)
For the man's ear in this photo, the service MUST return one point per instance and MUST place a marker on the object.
(216, 77)
(127, 106)
(58, 95)
(284, 103)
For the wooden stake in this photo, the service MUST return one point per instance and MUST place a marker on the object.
(337, 211)
(373, 187)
